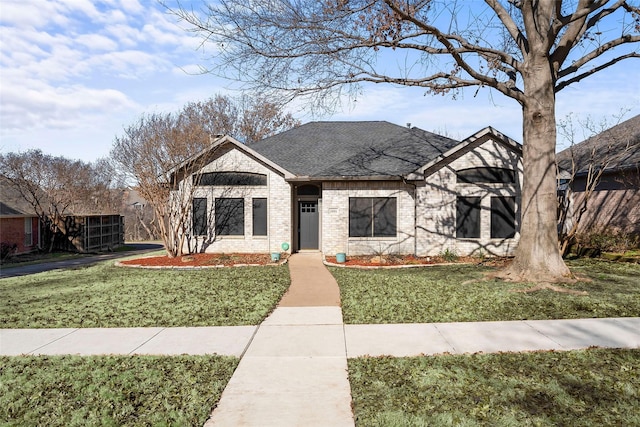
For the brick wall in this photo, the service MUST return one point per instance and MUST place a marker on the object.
(335, 218)
(12, 230)
(278, 195)
(436, 203)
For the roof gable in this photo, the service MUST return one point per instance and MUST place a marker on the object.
(212, 150)
(463, 147)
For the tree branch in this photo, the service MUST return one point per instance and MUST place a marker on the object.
(594, 70)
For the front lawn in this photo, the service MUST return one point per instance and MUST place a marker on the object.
(456, 293)
(106, 296)
(595, 387)
(111, 391)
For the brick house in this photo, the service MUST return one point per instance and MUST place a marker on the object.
(615, 201)
(358, 188)
(18, 224)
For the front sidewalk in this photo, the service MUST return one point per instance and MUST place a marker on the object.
(397, 340)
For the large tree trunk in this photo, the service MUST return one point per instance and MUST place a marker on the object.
(538, 257)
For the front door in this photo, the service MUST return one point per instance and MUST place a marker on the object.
(309, 220)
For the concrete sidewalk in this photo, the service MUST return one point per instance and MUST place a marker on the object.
(398, 340)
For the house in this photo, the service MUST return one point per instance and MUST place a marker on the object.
(356, 188)
(19, 226)
(614, 203)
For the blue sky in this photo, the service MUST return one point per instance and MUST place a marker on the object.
(74, 73)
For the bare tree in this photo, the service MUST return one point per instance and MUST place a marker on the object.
(606, 145)
(158, 153)
(527, 50)
(57, 187)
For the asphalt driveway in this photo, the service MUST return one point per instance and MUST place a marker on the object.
(14, 271)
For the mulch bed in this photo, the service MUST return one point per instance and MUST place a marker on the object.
(232, 259)
(204, 260)
(396, 260)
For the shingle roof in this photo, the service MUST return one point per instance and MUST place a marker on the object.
(618, 146)
(353, 149)
(11, 202)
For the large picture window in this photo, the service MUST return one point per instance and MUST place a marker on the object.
(468, 217)
(503, 217)
(199, 215)
(372, 216)
(229, 215)
(259, 217)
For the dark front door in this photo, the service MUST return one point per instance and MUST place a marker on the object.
(308, 220)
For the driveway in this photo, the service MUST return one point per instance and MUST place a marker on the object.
(139, 248)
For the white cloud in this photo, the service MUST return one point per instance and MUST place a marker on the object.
(83, 67)
(96, 42)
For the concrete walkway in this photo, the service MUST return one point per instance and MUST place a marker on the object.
(293, 370)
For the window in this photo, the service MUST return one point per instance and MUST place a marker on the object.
(200, 217)
(28, 232)
(259, 217)
(486, 175)
(229, 217)
(230, 179)
(372, 217)
(503, 217)
(468, 217)
(308, 190)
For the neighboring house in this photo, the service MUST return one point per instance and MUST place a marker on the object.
(18, 224)
(615, 202)
(358, 188)
(92, 233)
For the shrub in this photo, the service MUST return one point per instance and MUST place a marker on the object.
(7, 250)
(607, 240)
(449, 255)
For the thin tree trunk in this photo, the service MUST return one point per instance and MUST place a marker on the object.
(538, 256)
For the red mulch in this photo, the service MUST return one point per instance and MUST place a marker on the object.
(203, 260)
(395, 260)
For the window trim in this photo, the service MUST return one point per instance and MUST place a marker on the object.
(204, 227)
(512, 202)
(28, 232)
(476, 209)
(486, 174)
(372, 216)
(230, 179)
(225, 227)
(266, 216)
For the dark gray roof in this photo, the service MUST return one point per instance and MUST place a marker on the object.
(353, 149)
(618, 146)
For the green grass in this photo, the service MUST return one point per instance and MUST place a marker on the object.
(104, 295)
(111, 391)
(593, 387)
(456, 293)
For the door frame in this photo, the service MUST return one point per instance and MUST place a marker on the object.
(296, 214)
(299, 230)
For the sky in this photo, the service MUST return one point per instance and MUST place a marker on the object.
(75, 73)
